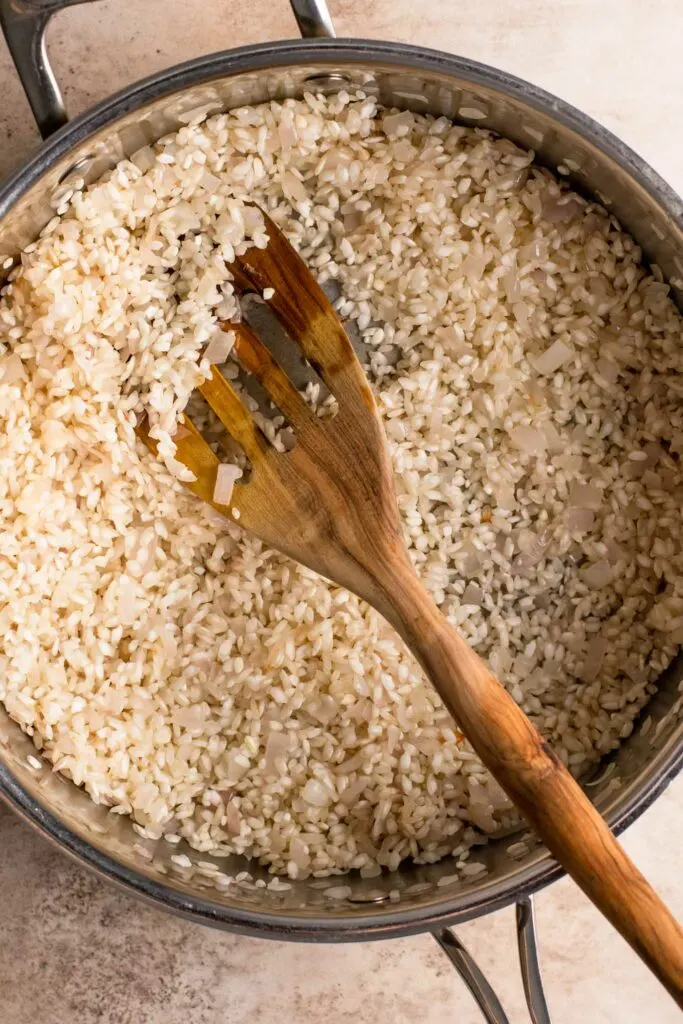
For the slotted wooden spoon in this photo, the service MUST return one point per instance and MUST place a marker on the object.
(330, 504)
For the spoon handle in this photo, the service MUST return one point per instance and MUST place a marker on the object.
(537, 781)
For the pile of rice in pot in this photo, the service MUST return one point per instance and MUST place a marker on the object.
(528, 373)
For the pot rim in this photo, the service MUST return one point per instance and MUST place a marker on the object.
(394, 922)
(629, 803)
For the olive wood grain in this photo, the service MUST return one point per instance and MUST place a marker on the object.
(330, 504)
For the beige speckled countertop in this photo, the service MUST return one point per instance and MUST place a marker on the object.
(76, 951)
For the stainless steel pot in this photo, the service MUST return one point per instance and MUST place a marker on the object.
(414, 898)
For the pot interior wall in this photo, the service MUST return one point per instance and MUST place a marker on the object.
(416, 895)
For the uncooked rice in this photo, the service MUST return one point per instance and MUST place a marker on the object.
(528, 372)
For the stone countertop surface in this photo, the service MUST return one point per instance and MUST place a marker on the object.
(74, 950)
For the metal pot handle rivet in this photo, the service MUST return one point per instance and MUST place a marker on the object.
(24, 23)
(476, 981)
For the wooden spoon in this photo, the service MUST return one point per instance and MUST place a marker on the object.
(330, 504)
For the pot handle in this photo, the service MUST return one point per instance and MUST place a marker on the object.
(24, 23)
(313, 19)
(476, 981)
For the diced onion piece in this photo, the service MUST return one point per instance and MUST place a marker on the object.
(293, 188)
(11, 369)
(498, 798)
(298, 852)
(522, 666)
(598, 575)
(473, 595)
(505, 494)
(534, 547)
(552, 669)
(500, 660)
(63, 592)
(55, 435)
(182, 216)
(210, 182)
(237, 765)
(219, 347)
(615, 552)
(560, 209)
(286, 133)
(143, 159)
(652, 481)
(233, 820)
(277, 745)
(324, 709)
(196, 114)
(192, 717)
(225, 482)
(181, 432)
(469, 559)
(473, 264)
(253, 219)
(529, 440)
(579, 435)
(585, 496)
(536, 250)
(536, 393)
(403, 150)
(607, 370)
(521, 312)
(578, 519)
(653, 454)
(570, 463)
(553, 438)
(596, 648)
(397, 124)
(553, 358)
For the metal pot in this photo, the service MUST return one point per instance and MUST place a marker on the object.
(415, 898)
